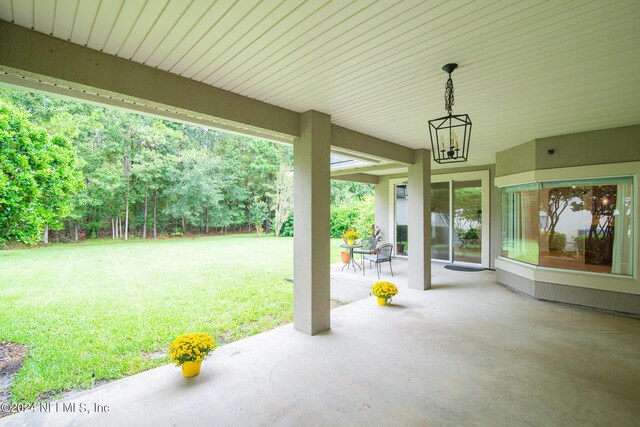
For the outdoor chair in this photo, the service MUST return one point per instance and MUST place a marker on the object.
(382, 254)
(368, 248)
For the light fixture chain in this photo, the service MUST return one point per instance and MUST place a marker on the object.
(449, 100)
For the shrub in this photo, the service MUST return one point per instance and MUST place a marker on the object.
(471, 234)
(358, 215)
(558, 243)
(287, 227)
(578, 242)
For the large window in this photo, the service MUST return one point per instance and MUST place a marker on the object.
(578, 225)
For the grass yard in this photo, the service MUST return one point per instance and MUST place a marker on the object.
(111, 308)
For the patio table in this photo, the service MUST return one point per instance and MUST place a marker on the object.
(351, 262)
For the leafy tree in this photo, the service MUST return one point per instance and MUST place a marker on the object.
(258, 214)
(194, 188)
(37, 177)
(283, 198)
(468, 203)
(137, 169)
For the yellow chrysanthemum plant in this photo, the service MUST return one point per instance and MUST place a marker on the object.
(191, 348)
(384, 290)
(350, 235)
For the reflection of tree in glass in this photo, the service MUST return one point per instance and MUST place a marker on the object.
(599, 243)
(601, 201)
(440, 202)
(468, 208)
(559, 200)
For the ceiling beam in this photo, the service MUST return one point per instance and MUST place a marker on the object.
(357, 177)
(40, 62)
(348, 140)
(367, 169)
(35, 56)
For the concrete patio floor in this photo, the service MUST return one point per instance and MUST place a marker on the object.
(467, 352)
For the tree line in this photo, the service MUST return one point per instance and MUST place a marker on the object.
(116, 174)
(146, 177)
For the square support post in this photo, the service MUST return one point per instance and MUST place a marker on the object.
(419, 229)
(311, 164)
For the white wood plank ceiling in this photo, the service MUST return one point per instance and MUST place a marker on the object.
(528, 69)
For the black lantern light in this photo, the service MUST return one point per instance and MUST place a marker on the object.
(451, 134)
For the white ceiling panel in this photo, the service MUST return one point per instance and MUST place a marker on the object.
(528, 69)
(192, 33)
(44, 15)
(108, 14)
(145, 21)
(288, 9)
(227, 20)
(23, 13)
(64, 19)
(161, 30)
(6, 10)
(85, 17)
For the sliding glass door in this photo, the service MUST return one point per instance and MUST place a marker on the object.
(456, 221)
(467, 221)
(457, 203)
(440, 221)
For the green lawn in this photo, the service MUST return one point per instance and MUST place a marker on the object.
(104, 307)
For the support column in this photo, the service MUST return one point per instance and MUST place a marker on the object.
(382, 208)
(311, 157)
(419, 229)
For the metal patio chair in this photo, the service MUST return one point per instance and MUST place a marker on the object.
(368, 248)
(382, 254)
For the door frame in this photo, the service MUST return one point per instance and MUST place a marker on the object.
(481, 175)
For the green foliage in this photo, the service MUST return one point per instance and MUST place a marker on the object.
(37, 177)
(468, 202)
(346, 192)
(471, 234)
(196, 178)
(579, 243)
(558, 243)
(401, 233)
(258, 214)
(358, 215)
(287, 228)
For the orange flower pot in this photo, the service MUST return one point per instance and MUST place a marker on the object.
(346, 256)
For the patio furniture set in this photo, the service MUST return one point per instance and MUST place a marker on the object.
(369, 252)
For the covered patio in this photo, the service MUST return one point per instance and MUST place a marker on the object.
(552, 89)
(469, 352)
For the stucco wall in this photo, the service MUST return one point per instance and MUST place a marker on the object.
(589, 148)
(517, 159)
(596, 147)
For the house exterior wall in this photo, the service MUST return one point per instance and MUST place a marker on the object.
(596, 147)
(384, 202)
(600, 153)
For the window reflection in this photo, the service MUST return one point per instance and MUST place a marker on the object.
(581, 225)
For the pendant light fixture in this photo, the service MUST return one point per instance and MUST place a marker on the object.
(451, 134)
